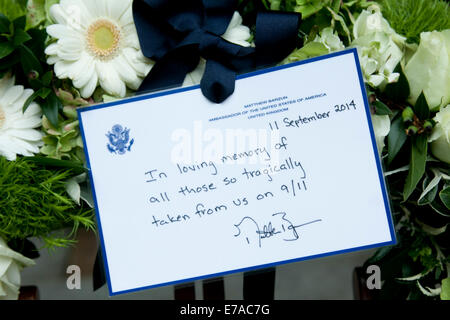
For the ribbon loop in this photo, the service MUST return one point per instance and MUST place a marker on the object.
(176, 33)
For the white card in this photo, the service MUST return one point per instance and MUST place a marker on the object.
(286, 169)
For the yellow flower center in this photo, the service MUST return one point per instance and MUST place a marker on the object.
(2, 117)
(103, 39)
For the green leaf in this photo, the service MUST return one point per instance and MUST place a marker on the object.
(6, 48)
(439, 208)
(20, 37)
(396, 138)
(4, 24)
(20, 23)
(29, 60)
(310, 50)
(50, 108)
(445, 289)
(9, 61)
(35, 13)
(398, 91)
(55, 163)
(47, 78)
(30, 101)
(445, 197)
(381, 109)
(44, 92)
(417, 164)
(13, 8)
(430, 189)
(421, 108)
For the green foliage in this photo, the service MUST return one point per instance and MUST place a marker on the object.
(419, 147)
(22, 53)
(310, 50)
(38, 12)
(445, 292)
(13, 9)
(319, 14)
(64, 142)
(34, 203)
(411, 17)
(419, 193)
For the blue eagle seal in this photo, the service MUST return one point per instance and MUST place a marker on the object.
(119, 140)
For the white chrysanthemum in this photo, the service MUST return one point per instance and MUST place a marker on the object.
(17, 129)
(236, 33)
(97, 43)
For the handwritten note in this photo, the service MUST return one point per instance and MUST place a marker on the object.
(285, 169)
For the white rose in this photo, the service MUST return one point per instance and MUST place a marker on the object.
(330, 40)
(380, 48)
(11, 263)
(381, 128)
(428, 70)
(440, 138)
(371, 21)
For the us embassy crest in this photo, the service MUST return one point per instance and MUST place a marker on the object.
(119, 140)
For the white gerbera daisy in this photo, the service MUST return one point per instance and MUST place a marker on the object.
(97, 43)
(236, 33)
(17, 129)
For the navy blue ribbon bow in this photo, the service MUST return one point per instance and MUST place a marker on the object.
(176, 33)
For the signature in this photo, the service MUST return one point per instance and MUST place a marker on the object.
(281, 226)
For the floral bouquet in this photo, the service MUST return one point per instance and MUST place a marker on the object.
(59, 55)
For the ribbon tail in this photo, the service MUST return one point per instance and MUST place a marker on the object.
(171, 70)
(218, 82)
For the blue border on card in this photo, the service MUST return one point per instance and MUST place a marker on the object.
(247, 75)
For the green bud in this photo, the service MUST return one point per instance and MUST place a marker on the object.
(408, 115)
(33, 75)
(428, 126)
(412, 130)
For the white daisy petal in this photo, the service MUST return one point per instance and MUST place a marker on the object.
(33, 110)
(19, 148)
(63, 69)
(57, 31)
(127, 73)
(126, 18)
(11, 95)
(89, 88)
(117, 8)
(32, 122)
(52, 60)
(58, 14)
(29, 148)
(7, 153)
(87, 67)
(51, 49)
(110, 80)
(137, 61)
(91, 7)
(69, 44)
(5, 83)
(26, 134)
(69, 55)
